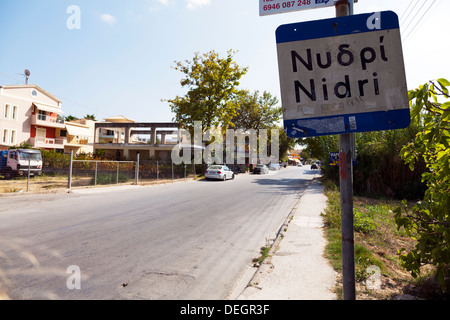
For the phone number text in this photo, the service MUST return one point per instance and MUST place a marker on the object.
(286, 4)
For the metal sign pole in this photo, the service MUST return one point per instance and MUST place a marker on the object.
(137, 169)
(28, 177)
(345, 8)
(69, 184)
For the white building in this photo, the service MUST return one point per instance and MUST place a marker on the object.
(29, 114)
(32, 115)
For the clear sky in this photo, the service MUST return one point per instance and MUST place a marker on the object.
(117, 60)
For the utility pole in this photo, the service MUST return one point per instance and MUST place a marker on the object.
(345, 8)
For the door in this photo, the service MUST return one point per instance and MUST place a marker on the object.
(41, 134)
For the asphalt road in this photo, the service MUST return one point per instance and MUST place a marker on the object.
(185, 240)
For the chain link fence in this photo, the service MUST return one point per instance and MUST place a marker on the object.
(64, 172)
(93, 172)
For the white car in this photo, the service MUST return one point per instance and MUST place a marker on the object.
(219, 172)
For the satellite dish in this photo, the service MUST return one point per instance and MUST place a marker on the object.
(27, 74)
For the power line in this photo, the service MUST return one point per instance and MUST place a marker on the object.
(95, 110)
(423, 15)
(415, 5)
(84, 106)
(8, 76)
(406, 28)
(403, 14)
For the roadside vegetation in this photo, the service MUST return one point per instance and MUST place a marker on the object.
(401, 201)
(264, 251)
(377, 241)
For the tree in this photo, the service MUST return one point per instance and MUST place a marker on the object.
(285, 144)
(22, 145)
(90, 117)
(429, 220)
(212, 84)
(256, 111)
(70, 118)
(378, 170)
(320, 147)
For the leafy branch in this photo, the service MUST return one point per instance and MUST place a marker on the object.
(429, 220)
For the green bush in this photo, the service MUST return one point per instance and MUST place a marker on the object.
(362, 222)
(333, 210)
(103, 179)
(429, 220)
(379, 170)
(364, 258)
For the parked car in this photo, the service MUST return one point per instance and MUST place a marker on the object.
(260, 169)
(236, 169)
(219, 172)
(300, 164)
(274, 166)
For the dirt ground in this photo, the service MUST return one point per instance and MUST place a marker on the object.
(396, 282)
(48, 183)
(38, 184)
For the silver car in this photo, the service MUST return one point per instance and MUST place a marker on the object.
(260, 169)
(274, 166)
(219, 172)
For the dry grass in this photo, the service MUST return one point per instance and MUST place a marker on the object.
(53, 183)
(36, 184)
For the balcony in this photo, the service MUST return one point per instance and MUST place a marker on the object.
(47, 121)
(47, 143)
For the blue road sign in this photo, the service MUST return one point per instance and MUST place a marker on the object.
(334, 158)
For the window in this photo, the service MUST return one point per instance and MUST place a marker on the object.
(63, 133)
(13, 137)
(15, 110)
(7, 107)
(5, 135)
(42, 115)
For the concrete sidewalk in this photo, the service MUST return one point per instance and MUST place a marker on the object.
(297, 269)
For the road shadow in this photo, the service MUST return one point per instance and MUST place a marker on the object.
(311, 171)
(289, 186)
(213, 180)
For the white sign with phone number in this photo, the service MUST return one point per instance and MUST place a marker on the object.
(267, 7)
